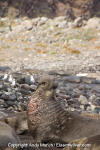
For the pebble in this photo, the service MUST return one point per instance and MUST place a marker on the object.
(4, 68)
(33, 87)
(43, 20)
(92, 98)
(5, 77)
(83, 100)
(29, 80)
(97, 110)
(9, 103)
(87, 80)
(72, 79)
(96, 101)
(1, 101)
(62, 24)
(78, 22)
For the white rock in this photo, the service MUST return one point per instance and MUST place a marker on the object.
(5, 77)
(60, 18)
(10, 79)
(13, 82)
(43, 20)
(78, 22)
(51, 28)
(83, 100)
(70, 25)
(92, 107)
(93, 23)
(82, 74)
(62, 24)
(27, 24)
(32, 80)
(82, 107)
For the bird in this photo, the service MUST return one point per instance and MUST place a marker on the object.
(49, 122)
(44, 112)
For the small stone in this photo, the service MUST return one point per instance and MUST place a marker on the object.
(30, 27)
(70, 25)
(62, 24)
(82, 107)
(78, 22)
(96, 82)
(35, 21)
(1, 87)
(97, 101)
(81, 87)
(19, 107)
(25, 86)
(33, 87)
(28, 24)
(83, 100)
(10, 108)
(42, 20)
(92, 107)
(29, 80)
(5, 96)
(5, 76)
(87, 80)
(12, 97)
(51, 28)
(10, 79)
(92, 97)
(67, 97)
(2, 114)
(97, 110)
(4, 68)
(86, 106)
(1, 101)
(10, 103)
(72, 79)
(82, 74)
(5, 87)
(93, 23)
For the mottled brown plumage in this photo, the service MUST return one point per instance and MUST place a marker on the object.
(48, 121)
(45, 116)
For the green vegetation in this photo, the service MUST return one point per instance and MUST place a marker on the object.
(82, 34)
(2, 24)
(53, 52)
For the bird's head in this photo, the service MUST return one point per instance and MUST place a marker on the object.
(47, 84)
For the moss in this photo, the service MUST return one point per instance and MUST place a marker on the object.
(70, 50)
(2, 24)
(40, 45)
(53, 52)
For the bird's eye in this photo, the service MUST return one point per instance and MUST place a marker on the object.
(43, 83)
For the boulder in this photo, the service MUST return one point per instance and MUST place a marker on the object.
(7, 136)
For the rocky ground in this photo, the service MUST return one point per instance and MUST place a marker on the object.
(50, 44)
(78, 92)
(66, 51)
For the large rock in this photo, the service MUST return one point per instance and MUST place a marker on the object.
(75, 8)
(52, 8)
(91, 143)
(93, 23)
(18, 121)
(7, 136)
